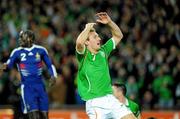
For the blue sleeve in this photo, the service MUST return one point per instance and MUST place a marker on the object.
(12, 59)
(50, 66)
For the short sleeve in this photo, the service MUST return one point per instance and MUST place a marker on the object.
(81, 58)
(79, 55)
(109, 46)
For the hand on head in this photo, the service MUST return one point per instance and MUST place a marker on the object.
(90, 26)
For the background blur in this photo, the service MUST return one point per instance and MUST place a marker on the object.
(147, 59)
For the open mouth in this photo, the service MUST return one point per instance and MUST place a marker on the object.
(99, 43)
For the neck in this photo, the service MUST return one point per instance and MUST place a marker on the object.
(92, 50)
(122, 99)
(29, 46)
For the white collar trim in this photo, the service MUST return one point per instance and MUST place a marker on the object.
(29, 49)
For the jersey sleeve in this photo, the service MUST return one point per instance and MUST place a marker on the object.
(79, 55)
(47, 61)
(109, 46)
(12, 59)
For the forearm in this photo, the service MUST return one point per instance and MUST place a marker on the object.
(116, 32)
(53, 71)
(83, 36)
(50, 66)
(80, 42)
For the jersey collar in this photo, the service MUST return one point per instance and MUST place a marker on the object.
(29, 49)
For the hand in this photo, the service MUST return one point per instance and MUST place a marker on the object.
(52, 81)
(3, 66)
(89, 26)
(103, 18)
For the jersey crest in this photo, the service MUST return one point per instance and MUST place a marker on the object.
(38, 56)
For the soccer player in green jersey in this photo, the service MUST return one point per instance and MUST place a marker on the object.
(119, 91)
(94, 82)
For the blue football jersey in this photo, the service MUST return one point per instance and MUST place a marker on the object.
(30, 63)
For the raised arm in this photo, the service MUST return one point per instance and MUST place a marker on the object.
(115, 30)
(83, 36)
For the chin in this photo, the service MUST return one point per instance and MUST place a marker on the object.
(98, 48)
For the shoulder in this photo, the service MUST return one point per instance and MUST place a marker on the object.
(16, 50)
(80, 56)
(110, 42)
(133, 103)
(40, 48)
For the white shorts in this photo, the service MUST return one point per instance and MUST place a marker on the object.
(106, 107)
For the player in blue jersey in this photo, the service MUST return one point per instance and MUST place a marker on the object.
(29, 59)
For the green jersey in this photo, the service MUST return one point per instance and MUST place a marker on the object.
(134, 107)
(93, 72)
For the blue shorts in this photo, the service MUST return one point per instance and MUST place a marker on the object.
(33, 98)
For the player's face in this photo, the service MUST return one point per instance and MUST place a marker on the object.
(23, 42)
(116, 92)
(25, 38)
(94, 41)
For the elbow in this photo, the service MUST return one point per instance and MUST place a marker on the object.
(79, 42)
(121, 36)
(79, 45)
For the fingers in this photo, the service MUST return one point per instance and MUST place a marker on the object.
(102, 17)
(3, 66)
(52, 82)
(98, 20)
(101, 14)
(90, 25)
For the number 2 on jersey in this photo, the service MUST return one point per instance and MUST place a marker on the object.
(23, 57)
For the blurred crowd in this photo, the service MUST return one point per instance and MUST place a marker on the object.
(147, 60)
